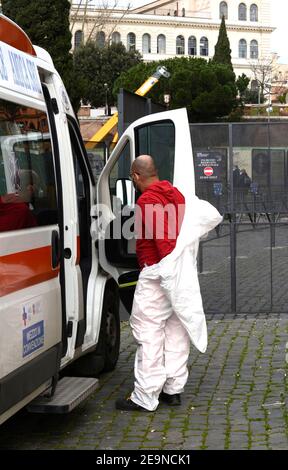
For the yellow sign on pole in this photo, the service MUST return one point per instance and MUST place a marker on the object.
(102, 133)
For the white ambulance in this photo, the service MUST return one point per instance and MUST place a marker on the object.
(59, 279)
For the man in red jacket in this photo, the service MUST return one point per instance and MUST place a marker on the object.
(163, 343)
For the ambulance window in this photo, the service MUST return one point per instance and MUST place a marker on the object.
(158, 140)
(27, 177)
(82, 183)
(120, 170)
(79, 166)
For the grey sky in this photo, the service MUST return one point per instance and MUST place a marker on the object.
(279, 37)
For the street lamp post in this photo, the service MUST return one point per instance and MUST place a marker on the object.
(270, 108)
(259, 94)
(106, 99)
(166, 98)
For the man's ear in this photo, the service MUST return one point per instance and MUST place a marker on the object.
(136, 177)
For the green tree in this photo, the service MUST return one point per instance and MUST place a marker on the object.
(242, 83)
(283, 98)
(206, 89)
(222, 53)
(96, 66)
(253, 97)
(46, 22)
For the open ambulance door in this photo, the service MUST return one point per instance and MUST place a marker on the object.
(166, 137)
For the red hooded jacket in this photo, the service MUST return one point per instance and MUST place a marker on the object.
(159, 214)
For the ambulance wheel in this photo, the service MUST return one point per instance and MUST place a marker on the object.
(109, 336)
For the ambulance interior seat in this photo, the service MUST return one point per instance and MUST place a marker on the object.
(117, 250)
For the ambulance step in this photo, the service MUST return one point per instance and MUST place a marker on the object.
(70, 392)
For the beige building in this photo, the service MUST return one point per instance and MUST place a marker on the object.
(279, 82)
(164, 29)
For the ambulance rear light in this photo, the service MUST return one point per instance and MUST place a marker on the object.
(12, 34)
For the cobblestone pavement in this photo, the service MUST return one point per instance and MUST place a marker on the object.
(236, 398)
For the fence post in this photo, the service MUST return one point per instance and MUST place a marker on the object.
(232, 227)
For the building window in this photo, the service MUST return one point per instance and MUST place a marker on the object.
(223, 10)
(116, 38)
(242, 16)
(161, 44)
(78, 38)
(204, 47)
(146, 44)
(254, 85)
(242, 49)
(192, 45)
(180, 45)
(100, 39)
(26, 170)
(254, 53)
(253, 13)
(131, 42)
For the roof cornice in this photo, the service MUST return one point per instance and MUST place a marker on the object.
(163, 21)
(207, 25)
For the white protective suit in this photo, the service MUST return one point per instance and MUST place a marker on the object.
(168, 313)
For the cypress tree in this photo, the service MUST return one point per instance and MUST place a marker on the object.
(222, 53)
(46, 22)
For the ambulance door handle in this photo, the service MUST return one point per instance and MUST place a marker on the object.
(55, 248)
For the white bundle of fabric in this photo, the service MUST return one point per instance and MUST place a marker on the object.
(177, 272)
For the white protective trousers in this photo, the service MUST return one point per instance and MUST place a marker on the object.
(163, 343)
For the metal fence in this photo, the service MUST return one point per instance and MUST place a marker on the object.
(242, 169)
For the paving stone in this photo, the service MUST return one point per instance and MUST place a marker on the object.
(244, 368)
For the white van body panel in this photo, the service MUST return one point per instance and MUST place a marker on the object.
(41, 328)
(46, 307)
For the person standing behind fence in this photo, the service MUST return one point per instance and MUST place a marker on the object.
(244, 181)
(236, 176)
(163, 343)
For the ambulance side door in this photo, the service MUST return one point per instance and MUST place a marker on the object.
(166, 137)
